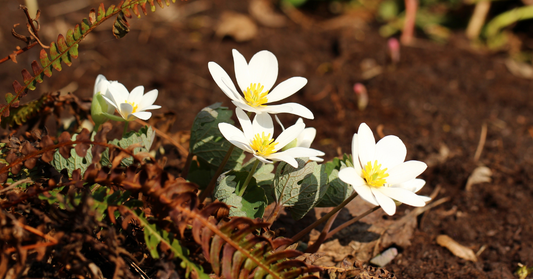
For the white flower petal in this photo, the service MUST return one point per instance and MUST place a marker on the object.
(412, 185)
(125, 110)
(390, 152)
(245, 107)
(119, 93)
(286, 89)
(306, 137)
(301, 152)
(242, 72)
(148, 99)
(405, 172)
(144, 115)
(263, 69)
(231, 133)
(385, 202)
(111, 102)
(402, 195)
(100, 85)
(283, 156)
(136, 95)
(263, 123)
(223, 81)
(366, 194)
(350, 176)
(367, 145)
(245, 123)
(355, 154)
(292, 108)
(289, 135)
(316, 159)
(151, 107)
(262, 159)
(242, 145)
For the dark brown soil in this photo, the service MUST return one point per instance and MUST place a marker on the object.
(438, 96)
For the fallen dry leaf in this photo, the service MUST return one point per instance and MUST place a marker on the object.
(263, 12)
(479, 175)
(456, 248)
(240, 27)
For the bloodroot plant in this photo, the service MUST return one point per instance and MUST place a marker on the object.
(78, 204)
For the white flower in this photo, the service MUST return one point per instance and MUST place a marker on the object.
(255, 80)
(131, 105)
(256, 138)
(304, 139)
(99, 106)
(380, 174)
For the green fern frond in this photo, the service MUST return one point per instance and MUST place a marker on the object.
(66, 48)
(22, 114)
(155, 237)
(232, 248)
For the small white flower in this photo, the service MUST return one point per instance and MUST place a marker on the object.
(256, 138)
(255, 80)
(99, 106)
(304, 139)
(380, 174)
(131, 105)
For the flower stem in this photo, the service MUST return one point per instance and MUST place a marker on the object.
(301, 234)
(346, 224)
(248, 178)
(96, 127)
(323, 235)
(125, 129)
(213, 181)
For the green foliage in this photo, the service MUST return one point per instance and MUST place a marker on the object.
(143, 137)
(210, 147)
(74, 162)
(66, 48)
(252, 204)
(300, 188)
(21, 114)
(206, 140)
(337, 191)
(493, 30)
(154, 236)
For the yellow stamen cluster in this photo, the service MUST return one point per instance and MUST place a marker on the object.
(254, 95)
(135, 106)
(374, 175)
(263, 145)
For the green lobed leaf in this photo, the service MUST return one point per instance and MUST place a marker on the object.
(264, 177)
(145, 136)
(252, 204)
(337, 191)
(300, 188)
(208, 143)
(74, 162)
(200, 173)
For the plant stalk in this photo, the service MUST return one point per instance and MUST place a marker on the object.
(323, 235)
(348, 223)
(303, 233)
(248, 178)
(125, 128)
(213, 181)
(187, 166)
